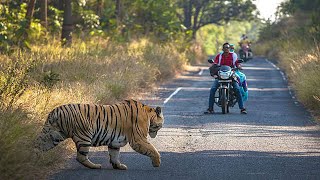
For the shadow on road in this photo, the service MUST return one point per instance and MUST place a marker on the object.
(224, 164)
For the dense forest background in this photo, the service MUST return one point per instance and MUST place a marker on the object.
(54, 52)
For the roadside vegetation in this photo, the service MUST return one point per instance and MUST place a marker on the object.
(104, 51)
(87, 51)
(34, 82)
(293, 42)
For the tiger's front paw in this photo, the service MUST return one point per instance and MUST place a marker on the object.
(156, 162)
(119, 166)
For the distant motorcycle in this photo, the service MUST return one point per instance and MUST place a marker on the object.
(227, 97)
(245, 52)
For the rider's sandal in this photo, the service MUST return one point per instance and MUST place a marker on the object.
(209, 111)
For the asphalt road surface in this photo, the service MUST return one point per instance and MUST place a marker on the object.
(277, 139)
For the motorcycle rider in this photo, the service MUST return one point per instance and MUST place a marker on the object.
(232, 48)
(244, 40)
(241, 78)
(245, 45)
(229, 59)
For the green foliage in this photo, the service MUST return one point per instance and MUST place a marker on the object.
(13, 28)
(55, 19)
(89, 22)
(50, 78)
(213, 36)
(292, 6)
(197, 14)
(144, 18)
(308, 10)
(157, 17)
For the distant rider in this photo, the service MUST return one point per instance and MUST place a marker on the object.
(229, 59)
(244, 42)
(245, 47)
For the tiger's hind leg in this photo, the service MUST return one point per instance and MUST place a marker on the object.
(114, 154)
(82, 154)
(146, 148)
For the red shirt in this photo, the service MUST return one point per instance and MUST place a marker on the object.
(228, 60)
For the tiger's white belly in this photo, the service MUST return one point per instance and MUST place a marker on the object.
(119, 142)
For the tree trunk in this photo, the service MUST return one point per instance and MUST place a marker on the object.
(44, 13)
(60, 4)
(67, 27)
(29, 13)
(118, 12)
(100, 7)
(195, 21)
(187, 10)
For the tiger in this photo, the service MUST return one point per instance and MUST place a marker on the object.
(92, 125)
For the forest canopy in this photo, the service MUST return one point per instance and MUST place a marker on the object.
(30, 21)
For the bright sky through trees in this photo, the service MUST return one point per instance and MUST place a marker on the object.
(267, 8)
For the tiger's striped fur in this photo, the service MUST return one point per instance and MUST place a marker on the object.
(103, 125)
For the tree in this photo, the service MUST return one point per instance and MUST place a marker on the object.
(29, 13)
(151, 18)
(67, 27)
(198, 13)
(100, 7)
(308, 10)
(118, 13)
(44, 13)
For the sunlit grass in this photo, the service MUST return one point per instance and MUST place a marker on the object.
(18, 159)
(300, 59)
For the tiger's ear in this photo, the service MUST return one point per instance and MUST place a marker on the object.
(148, 109)
(158, 110)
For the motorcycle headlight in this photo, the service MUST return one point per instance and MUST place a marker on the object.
(224, 75)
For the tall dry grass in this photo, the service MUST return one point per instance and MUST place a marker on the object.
(300, 59)
(18, 159)
(302, 66)
(33, 82)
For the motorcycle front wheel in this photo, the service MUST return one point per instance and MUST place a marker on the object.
(224, 103)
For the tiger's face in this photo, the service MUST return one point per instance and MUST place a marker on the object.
(156, 122)
(48, 138)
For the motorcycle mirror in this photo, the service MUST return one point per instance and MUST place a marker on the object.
(240, 60)
(210, 61)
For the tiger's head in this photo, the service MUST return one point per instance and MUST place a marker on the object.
(49, 137)
(156, 121)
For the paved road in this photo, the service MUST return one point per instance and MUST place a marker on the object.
(277, 139)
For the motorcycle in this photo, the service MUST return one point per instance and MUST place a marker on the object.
(245, 52)
(225, 96)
